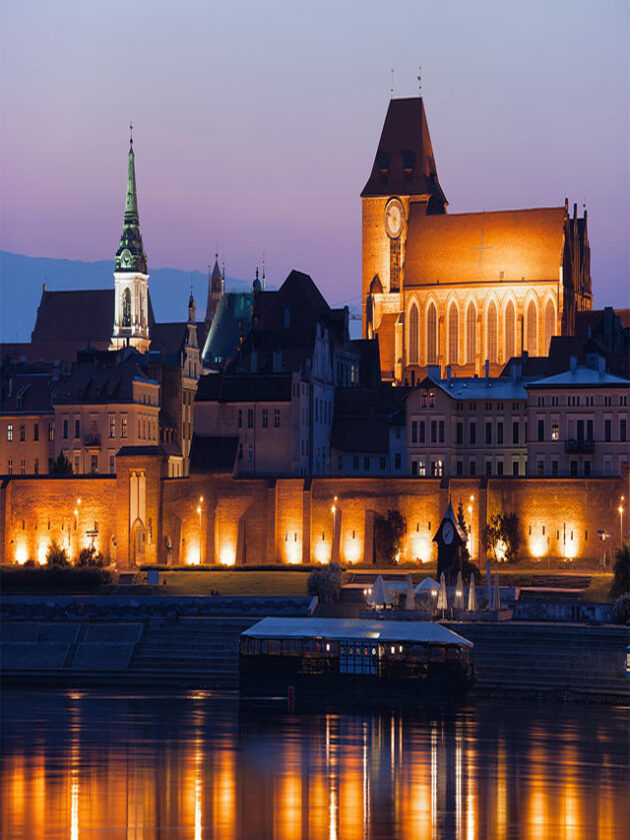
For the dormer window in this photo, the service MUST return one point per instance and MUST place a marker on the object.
(408, 163)
(383, 163)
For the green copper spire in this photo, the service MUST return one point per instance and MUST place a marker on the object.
(130, 255)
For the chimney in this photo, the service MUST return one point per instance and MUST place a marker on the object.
(516, 373)
(601, 366)
(487, 367)
(573, 363)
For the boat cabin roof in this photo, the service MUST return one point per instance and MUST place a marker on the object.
(349, 628)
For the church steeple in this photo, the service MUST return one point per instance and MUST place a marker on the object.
(130, 255)
(131, 302)
(215, 290)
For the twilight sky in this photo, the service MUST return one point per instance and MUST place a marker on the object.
(256, 124)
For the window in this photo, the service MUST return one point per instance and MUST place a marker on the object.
(515, 434)
(422, 469)
(381, 463)
(123, 427)
(414, 431)
(397, 461)
(437, 468)
(460, 433)
(339, 462)
(492, 332)
(77, 428)
(555, 435)
(433, 431)
(460, 468)
(589, 430)
(500, 434)
(432, 335)
(574, 467)
(550, 325)
(554, 468)
(23, 466)
(488, 433)
(36, 431)
(65, 430)
(76, 464)
(126, 308)
(532, 329)
(250, 418)
(276, 418)
(500, 468)
(93, 463)
(471, 335)
(111, 465)
(541, 430)
(587, 468)
(10, 466)
(422, 432)
(355, 462)
(607, 429)
(10, 431)
(265, 418)
(473, 467)
(541, 468)
(240, 418)
(441, 431)
(366, 464)
(22, 432)
(515, 468)
(453, 334)
(412, 351)
(51, 431)
(472, 433)
(112, 427)
(250, 453)
(431, 399)
(488, 467)
(623, 424)
(510, 331)
(36, 467)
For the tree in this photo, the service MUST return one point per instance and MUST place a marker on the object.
(468, 567)
(388, 532)
(502, 537)
(60, 466)
(621, 569)
(56, 555)
(325, 583)
(89, 557)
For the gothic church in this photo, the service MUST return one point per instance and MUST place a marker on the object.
(463, 289)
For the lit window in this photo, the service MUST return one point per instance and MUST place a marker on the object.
(555, 435)
(10, 431)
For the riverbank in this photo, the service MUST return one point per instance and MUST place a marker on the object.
(149, 644)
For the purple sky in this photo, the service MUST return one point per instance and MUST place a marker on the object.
(256, 124)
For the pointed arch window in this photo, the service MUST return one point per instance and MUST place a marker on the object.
(126, 308)
(453, 334)
(471, 333)
(550, 324)
(492, 337)
(510, 331)
(413, 335)
(432, 335)
(532, 329)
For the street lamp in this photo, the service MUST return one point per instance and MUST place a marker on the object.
(199, 512)
(620, 509)
(470, 510)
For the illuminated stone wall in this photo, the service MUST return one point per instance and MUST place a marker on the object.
(221, 520)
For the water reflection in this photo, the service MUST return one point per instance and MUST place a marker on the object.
(86, 765)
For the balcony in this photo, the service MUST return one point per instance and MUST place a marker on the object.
(92, 441)
(576, 446)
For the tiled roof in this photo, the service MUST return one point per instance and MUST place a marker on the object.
(92, 383)
(584, 377)
(509, 245)
(478, 387)
(28, 393)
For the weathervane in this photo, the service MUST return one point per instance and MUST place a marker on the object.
(130, 131)
(391, 90)
(419, 78)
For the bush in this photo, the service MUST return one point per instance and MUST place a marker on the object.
(621, 580)
(622, 609)
(502, 537)
(389, 531)
(90, 557)
(325, 583)
(56, 555)
(58, 579)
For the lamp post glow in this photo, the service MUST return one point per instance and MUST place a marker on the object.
(199, 512)
(470, 510)
(620, 509)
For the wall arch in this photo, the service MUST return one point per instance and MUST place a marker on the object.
(509, 320)
(432, 334)
(531, 327)
(549, 324)
(453, 333)
(492, 332)
(471, 333)
(413, 320)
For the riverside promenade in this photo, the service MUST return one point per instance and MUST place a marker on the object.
(193, 642)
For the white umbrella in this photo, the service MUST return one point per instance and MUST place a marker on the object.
(381, 595)
(459, 592)
(411, 595)
(426, 585)
(496, 600)
(472, 595)
(442, 603)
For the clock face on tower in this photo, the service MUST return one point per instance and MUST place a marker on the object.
(394, 217)
(125, 258)
(448, 532)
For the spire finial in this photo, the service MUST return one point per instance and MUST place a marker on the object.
(263, 274)
(419, 78)
(391, 90)
(131, 133)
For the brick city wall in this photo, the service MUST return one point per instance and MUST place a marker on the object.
(213, 519)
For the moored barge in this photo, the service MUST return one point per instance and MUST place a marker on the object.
(382, 661)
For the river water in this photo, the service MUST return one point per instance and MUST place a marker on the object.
(139, 766)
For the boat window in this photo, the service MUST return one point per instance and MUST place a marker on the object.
(358, 658)
(272, 646)
(291, 646)
(250, 646)
(453, 654)
(331, 648)
(438, 653)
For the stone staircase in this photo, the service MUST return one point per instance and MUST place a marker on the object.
(543, 658)
(196, 651)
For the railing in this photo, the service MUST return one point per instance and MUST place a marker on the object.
(573, 445)
(92, 440)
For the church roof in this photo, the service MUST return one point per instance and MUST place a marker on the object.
(404, 162)
(169, 339)
(509, 245)
(230, 324)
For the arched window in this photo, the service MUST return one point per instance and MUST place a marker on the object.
(491, 326)
(453, 334)
(471, 334)
(432, 335)
(550, 324)
(510, 331)
(412, 350)
(532, 329)
(126, 308)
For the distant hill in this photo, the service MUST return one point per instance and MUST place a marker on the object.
(22, 277)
